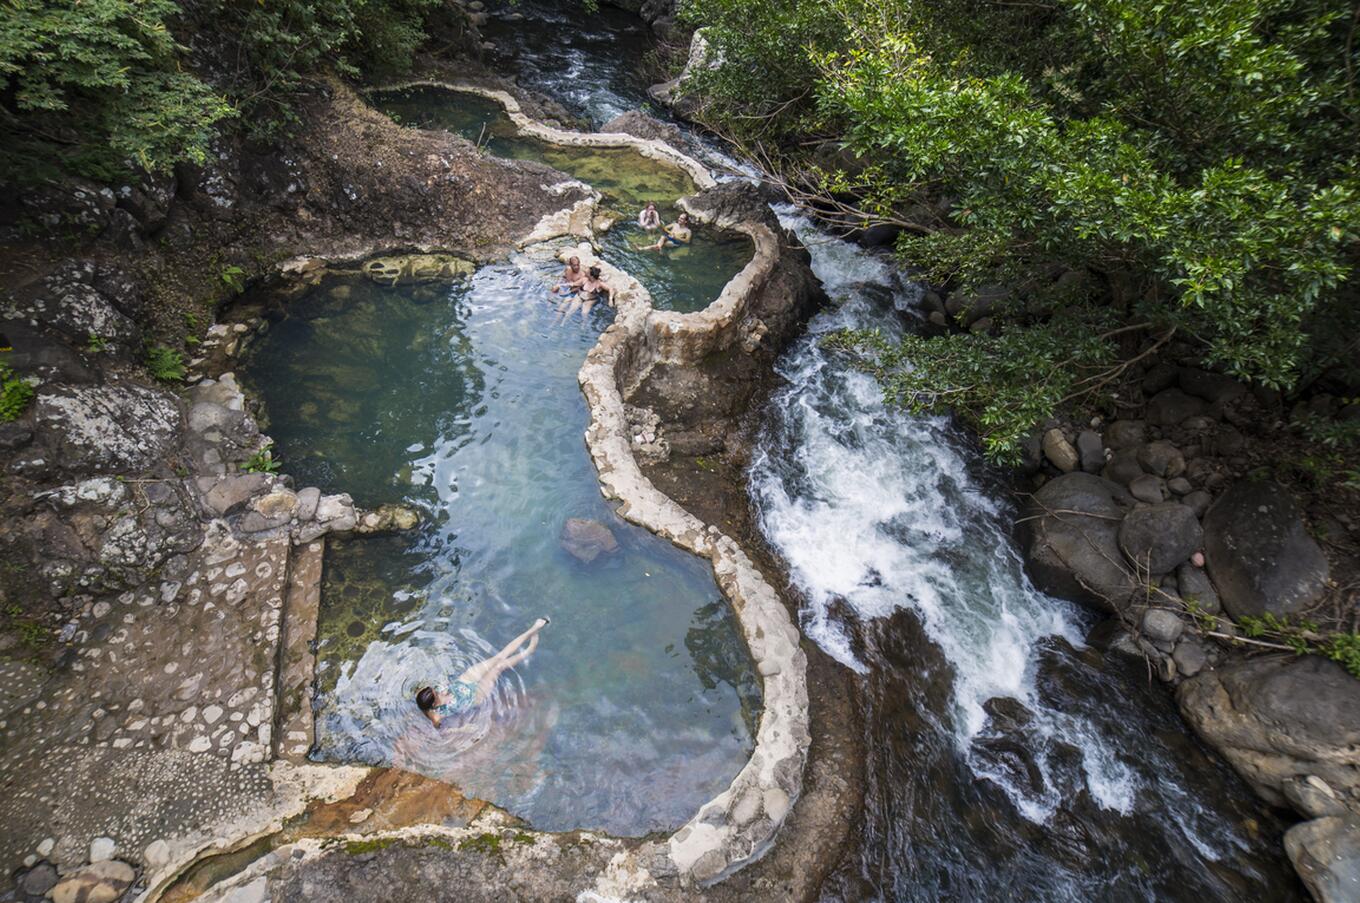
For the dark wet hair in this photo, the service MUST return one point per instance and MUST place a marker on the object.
(425, 698)
(594, 272)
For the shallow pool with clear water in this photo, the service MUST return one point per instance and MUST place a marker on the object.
(461, 400)
(678, 278)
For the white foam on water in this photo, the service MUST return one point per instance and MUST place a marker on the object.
(876, 509)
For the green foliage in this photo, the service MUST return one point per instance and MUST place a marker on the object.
(96, 87)
(1199, 158)
(31, 633)
(101, 88)
(1001, 384)
(15, 394)
(263, 461)
(234, 277)
(1305, 637)
(165, 364)
(284, 42)
(96, 344)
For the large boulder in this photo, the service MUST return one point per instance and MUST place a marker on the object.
(1072, 541)
(1277, 718)
(105, 429)
(1259, 553)
(1326, 854)
(1158, 538)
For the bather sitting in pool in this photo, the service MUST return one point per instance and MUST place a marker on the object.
(473, 687)
(649, 219)
(677, 233)
(593, 289)
(571, 280)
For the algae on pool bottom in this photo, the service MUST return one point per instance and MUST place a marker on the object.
(461, 400)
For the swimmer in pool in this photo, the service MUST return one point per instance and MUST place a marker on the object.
(649, 219)
(592, 289)
(473, 687)
(677, 234)
(571, 280)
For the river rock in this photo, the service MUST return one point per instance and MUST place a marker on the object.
(1278, 717)
(223, 495)
(116, 428)
(1159, 537)
(1326, 854)
(1059, 451)
(1159, 377)
(1125, 434)
(1198, 501)
(1162, 625)
(1091, 450)
(39, 880)
(1190, 657)
(102, 882)
(1147, 488)
(102, 848)
(586, 539)
(1194, 586)
(1123, 467)
(640, 125)
(1259, 552)
(1071, 541)
(1313, 797)
(1161, 458)
(971, 306)
(1170, 407)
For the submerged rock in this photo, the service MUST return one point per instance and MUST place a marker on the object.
(586, 539)
(1259, 553)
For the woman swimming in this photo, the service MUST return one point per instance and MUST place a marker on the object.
(473, 687)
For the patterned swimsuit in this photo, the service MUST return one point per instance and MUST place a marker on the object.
(464, 697)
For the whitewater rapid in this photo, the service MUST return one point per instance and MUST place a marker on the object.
(877, 510)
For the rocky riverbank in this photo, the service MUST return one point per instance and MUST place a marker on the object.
(1174, 521)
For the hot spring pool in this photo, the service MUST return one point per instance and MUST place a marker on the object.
(461, 400)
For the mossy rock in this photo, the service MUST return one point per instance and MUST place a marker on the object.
(416, 268)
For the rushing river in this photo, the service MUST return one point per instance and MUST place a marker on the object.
(1006, 759)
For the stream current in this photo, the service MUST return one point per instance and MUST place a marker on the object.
(1006, 758)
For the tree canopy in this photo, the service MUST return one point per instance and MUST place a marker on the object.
(101, 87)
(1198, 159)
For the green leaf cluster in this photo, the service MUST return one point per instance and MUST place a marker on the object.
(1305, 637)
(165, 364)
(96, 88)
(1201, 160)
(15, 394)
(262, 461)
